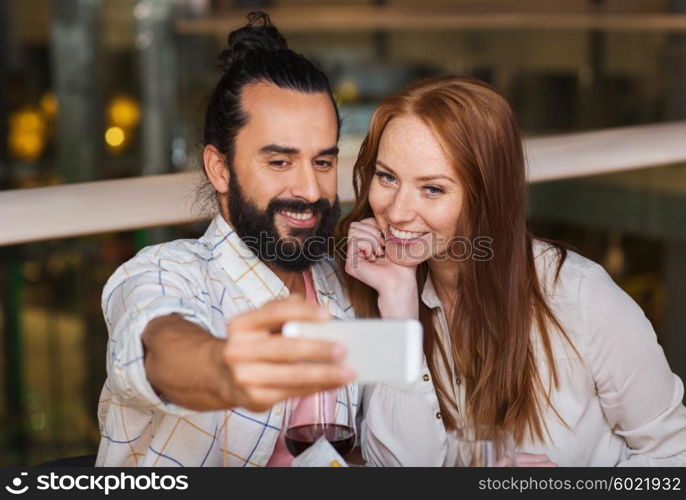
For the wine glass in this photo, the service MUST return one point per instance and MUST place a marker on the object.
(480, 446)
(327, 414)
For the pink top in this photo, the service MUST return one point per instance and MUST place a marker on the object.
(281, 457)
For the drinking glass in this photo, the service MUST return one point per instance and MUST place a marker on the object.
(480, 446)
(327, 414)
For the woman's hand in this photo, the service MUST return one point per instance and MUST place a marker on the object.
(366, 261)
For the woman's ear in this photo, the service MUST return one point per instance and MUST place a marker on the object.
(216, 168)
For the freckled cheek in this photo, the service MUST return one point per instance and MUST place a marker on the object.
(442, 221)
(379, 200)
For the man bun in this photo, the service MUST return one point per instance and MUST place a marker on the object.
(257, 37)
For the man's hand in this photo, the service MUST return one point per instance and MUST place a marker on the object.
(263, 369)
(253, 367)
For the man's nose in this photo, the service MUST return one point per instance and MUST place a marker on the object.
(305, 185)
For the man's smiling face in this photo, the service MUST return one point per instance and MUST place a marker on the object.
(282, 181)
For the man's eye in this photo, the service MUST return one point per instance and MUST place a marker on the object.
(278, 163)
(323, 163)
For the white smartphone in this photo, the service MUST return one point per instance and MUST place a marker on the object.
(379, 350)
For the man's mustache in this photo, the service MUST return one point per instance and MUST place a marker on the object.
(320, 206)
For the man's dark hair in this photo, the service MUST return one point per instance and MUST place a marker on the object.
(257, 52)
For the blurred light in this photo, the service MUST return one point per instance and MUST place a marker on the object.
(115, 137)
(27, 120)
(347, 91)
(143, 40)
(56, 265)
(179, 156)
(26, 145)
(32, 271)
(48, 104)
(27, 134)
(142, 10)
(124, 112)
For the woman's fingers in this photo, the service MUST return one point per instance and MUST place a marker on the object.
(374, 244)
(364, 246)
(370, 221)
(373, 231)
(360, 228)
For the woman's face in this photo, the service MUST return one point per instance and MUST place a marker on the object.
(415, 195)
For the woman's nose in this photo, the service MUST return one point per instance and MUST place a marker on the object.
(401, 209)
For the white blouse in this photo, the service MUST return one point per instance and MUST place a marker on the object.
(621, 403)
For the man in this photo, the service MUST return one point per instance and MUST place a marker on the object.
(195, 375)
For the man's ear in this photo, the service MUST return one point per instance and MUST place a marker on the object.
(216, 168)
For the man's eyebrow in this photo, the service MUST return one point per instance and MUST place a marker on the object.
(420, 179)
(333, 151)
(275, 148)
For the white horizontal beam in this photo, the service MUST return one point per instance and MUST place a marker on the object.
(605, 151)
(119, 205)
(95, 207)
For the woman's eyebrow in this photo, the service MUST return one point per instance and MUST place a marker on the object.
(434, 177)
(420, 179)
(383, 165)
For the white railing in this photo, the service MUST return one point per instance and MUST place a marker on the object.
(118, 205)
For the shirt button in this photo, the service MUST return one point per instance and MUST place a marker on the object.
(438, 415)
(458, 380)
(426, 378)
(278, 410)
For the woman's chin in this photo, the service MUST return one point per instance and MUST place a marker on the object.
(406, 256)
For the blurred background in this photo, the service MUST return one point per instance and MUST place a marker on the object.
(96, 90)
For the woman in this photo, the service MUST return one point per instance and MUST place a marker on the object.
(518, 332)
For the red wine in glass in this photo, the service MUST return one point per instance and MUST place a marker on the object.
(301, 437)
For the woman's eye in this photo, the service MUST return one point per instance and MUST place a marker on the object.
(433, 189)
(384, 177)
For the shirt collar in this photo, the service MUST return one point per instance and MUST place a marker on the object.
(429, 295)
(257, 281)
(325, 276)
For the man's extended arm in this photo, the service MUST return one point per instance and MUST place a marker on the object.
(252, 368)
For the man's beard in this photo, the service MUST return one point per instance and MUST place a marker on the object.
(258, 231)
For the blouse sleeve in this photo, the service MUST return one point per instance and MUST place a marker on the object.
(641, 398)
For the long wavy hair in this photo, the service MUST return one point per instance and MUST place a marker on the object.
(498, 301)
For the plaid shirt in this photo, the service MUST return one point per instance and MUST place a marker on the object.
(207, 281)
